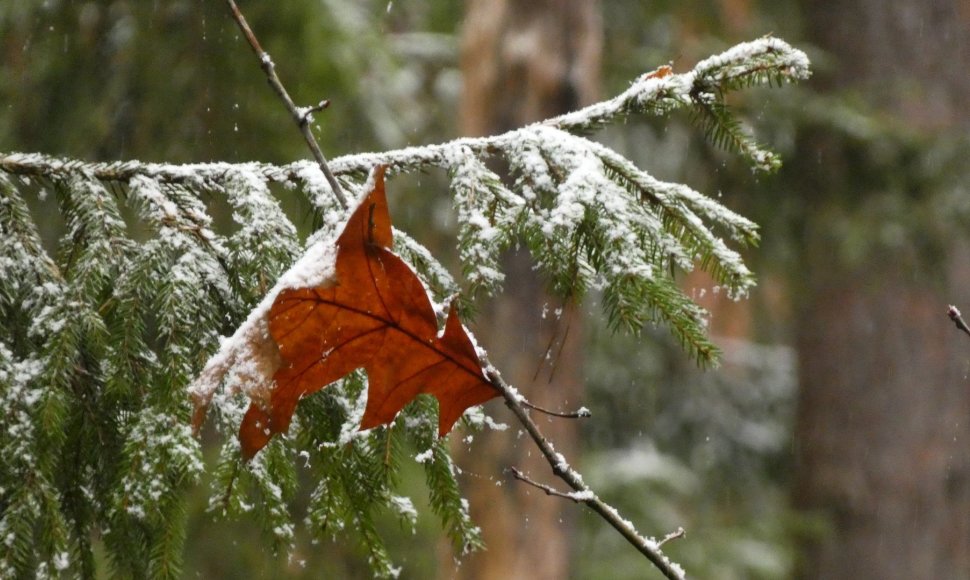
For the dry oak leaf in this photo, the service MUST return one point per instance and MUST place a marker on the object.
(377, 315)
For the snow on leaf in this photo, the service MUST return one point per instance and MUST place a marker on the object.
(377, 315)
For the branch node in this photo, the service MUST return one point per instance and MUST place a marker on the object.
(306, 113)
(557, 470)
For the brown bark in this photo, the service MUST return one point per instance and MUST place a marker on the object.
(883, 428)
(908, 57)
(522, 61)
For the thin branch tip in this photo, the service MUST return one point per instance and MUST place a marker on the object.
(954, 313)
(580, 413)
(674, 535)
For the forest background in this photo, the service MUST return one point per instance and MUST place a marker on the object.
(833, 440)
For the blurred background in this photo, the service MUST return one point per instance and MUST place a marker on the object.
(834, 439)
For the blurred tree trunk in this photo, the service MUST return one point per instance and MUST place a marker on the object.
(882, 437)
(522, 61)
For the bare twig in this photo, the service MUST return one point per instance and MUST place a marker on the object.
(300, 116)
(562, 470)
(575, 496)
(581, 413)
(678, 533)
(954, 313)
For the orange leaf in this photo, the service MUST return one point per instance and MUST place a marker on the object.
(377, 316)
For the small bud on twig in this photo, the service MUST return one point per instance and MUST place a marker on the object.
(954, 313)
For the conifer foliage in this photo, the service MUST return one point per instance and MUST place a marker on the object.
(103, 330)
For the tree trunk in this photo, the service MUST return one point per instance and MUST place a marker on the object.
(522, 61)
(883, 428)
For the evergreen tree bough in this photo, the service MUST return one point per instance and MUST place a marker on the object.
(100, 339)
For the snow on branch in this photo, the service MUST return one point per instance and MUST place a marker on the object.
(767, 59)
(591, 218)
(764, 61)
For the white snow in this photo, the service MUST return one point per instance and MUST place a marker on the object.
(62, 560)
(404, 507)
(355, 413)
(585, 495)
(746, 55)
(251, 342)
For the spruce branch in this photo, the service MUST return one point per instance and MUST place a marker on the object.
(767, 60)
(635, 231)
(95, 321)
(744, 65)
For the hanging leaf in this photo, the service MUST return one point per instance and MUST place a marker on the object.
(375, 315)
